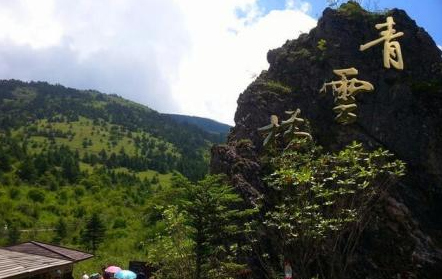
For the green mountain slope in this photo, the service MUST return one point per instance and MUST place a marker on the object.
(206, 124)
(66, 154)
(102, 127)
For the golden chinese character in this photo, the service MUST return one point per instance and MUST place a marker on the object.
(344, 92)
(345, 113)
(392, 50)
(271, 130)
(293, 124)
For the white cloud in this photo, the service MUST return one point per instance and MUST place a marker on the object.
(226, 57)
(124, 47)
(29, 23)
(439, 46)
(193, 57)
(303, 6)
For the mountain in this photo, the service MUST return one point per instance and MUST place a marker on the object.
(403, 114)
(90, 123)
(206, 124)
(67, 155)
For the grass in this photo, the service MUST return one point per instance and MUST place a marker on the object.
(121, 244)
(75, 203)
(109, 137)
(277, 87)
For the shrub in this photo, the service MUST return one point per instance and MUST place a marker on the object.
(322, 45)
(323, 202)
(277, 87)
(36, 195)
(119, 223)
(14, 193)
(79, 191)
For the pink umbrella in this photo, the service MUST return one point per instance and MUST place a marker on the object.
(112, 269)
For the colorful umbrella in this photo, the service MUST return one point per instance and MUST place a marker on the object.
(125, 274)
(112, 269)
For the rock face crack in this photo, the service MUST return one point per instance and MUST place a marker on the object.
(403, 114)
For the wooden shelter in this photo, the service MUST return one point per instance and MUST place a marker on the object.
(36, 260)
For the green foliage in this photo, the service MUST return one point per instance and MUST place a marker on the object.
(5, 161)
(93, 233)
(277, 87)
(119, 224)
(123, 199)
(301, 53)
(322, 45)
(323, 201)
(202, 235)
(36, 195)
(65, 154)
(13, 235)
(26, 170)
(87, 122)
(213, 210)
(172, 249)
(344, 4)
(60, 230)
(206, 124)
(357, 8)
(14, 193)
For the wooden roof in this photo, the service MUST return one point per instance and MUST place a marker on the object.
(19, 265)
(49, 250)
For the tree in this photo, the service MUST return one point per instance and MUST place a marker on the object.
(201, 234)
(60, 230)
(36, 195)
(71, 168)
(322, 202)
(93, 233)
(217, 219)
(5, 161)
(172, 249)
(26, 170)
(13, 235)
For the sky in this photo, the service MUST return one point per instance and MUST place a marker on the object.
(189, 57)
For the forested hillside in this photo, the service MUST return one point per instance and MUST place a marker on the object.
(208, 125)
(72, 161)
(100, 129)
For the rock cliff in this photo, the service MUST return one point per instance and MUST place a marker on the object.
(403, 114)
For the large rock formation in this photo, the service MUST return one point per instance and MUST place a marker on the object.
(403, 114)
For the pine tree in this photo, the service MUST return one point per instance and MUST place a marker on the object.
(26, 169)
(93, 233)
(5, 161)
(71, 169)
(213, 211)
(13, 235)
(60, 230)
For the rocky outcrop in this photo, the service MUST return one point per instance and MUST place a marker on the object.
(403, 114)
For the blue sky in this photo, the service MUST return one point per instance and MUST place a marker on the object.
(427, 13)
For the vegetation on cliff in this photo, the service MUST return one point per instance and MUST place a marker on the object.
(398, 236)
(318, 204)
